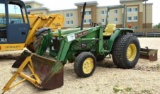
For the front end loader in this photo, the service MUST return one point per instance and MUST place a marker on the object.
(83, 46)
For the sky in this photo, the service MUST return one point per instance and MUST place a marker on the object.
(69, 4)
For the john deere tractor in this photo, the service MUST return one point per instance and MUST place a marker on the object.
(83, 46)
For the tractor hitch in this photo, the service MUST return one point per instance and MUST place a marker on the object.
(150, 54)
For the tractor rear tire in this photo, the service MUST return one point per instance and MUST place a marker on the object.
(126, 51)
(85, 64)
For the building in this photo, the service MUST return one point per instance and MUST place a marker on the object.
(94, 13)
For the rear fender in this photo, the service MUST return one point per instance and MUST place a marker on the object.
(115, 35)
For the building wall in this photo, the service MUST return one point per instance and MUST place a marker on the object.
(89, 17)
(45, 12)
(134, 5)
(35, 5)
(148, 16)
(69, 21)
(98, 15)
(102, 12)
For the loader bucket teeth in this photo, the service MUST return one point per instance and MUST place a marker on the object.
(42, 72)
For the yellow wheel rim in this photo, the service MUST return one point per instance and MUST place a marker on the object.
(88, 65)
(131, 52)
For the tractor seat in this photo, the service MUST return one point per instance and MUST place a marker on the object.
(109, 29)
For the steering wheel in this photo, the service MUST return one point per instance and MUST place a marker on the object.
(93, 24)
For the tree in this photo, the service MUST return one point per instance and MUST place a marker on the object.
(156, 26)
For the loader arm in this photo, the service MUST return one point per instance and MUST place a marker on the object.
(52, 21)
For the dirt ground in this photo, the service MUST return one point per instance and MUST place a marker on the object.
(107, 79)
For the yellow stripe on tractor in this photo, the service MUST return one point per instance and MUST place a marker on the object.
(10, 47)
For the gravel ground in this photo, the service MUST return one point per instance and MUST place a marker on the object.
(107, 79)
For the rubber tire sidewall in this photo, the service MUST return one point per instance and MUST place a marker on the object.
(38, 41)
(79, 63)
(120, 49)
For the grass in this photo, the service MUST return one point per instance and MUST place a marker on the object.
(158, 66)
(117, 89)
(146, 92)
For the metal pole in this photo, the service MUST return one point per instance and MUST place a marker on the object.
(145, 15)
(83, 13)
(125, 16)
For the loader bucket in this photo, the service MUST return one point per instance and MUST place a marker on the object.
(43, 72)
(49, 71)
(150, 54)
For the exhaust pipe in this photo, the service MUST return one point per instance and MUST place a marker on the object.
(83, 13)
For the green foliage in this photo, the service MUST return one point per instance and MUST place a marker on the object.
(156, 26)
(117, 89)
(158, 66)
(97, 90)
(128, 89)
(146, 92)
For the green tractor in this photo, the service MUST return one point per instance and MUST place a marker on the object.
(86, 46)
(83, 46)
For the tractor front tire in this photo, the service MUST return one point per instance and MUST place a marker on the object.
(85, 64)
(126, 51)
(38, 41)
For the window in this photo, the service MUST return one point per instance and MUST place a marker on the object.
(129, 19)
(129, 9)
(115, 20)
(87, 21)
(15, 15)
(2, 19)
(84, 21)
(102, 20)
(135, 18)
(135, 27)
(115, 11)
(88, 13)
(135, 9)
(102, 12)
(69, 14)
(69, 22)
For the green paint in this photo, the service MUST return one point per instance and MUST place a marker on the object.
(74, 41)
